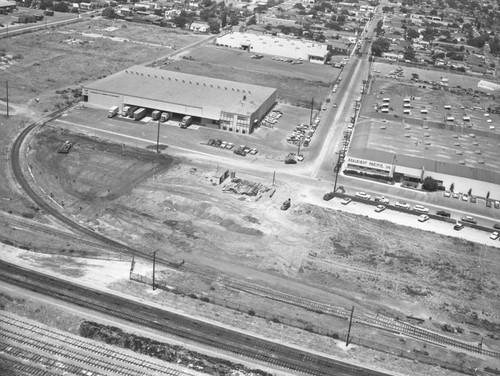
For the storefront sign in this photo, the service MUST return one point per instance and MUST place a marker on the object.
(369, 164)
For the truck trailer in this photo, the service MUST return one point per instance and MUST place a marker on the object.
(155, 115)
(113, 111)
(186, 122)
(139, 114)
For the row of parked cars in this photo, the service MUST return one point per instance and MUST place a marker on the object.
(459, 225)
(465, 196)
(271, 118)
(302, 133)
(240, 150)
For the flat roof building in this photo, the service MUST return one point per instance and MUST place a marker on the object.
(223, 104)
(266, 44)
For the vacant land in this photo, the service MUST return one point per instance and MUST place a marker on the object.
(51, 65)
(296, 84)
(172, 205)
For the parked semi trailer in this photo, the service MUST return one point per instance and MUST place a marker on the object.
(139, 114)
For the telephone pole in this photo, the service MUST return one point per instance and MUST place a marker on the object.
(158, 140)
(7, 92)
(347, 341)
(154, 267)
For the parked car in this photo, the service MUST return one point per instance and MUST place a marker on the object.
(420, 208)
(443, 213)
(223, 145)
(346, 201)
(494, 235)
(496, 226)
(363, 195)
(402, 204)
(328, 196)
(379, 208)
(423, 218)
(465, 197)
(469, 219)
(458, 226)
(456, 194)
(253, 151)
(218, 143)
(382, 199)
(447, 193)
(300, 158)
(229, 145)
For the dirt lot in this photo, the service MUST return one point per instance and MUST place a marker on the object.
(296, 84)
(344, 259)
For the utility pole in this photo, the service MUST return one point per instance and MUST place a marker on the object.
(154, 267)
(312, 109)
(337, 168)
(7, 92)
(347, 341)
(158, 138)
(274, 177)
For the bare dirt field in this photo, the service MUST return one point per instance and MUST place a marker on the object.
(43, 56)
(296, 84)
(160, 202)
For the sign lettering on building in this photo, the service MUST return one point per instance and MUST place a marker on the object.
(369, 164)
(106, 94)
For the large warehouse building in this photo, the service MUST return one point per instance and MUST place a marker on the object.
(267, 44)
(227, 105)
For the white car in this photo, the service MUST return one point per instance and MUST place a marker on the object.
(345, 201)
(423, 218)
(300, 158)
(402, 204)
(379, 208)
(494, 235)
(363, 195)
(447, 193)
(465, 197)
(456, 194)
(420, 208)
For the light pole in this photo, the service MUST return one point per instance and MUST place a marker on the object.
(336, 168)
(154, 267)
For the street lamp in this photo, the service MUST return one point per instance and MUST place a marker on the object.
(158, 138)
(154, 267)
(336, 169)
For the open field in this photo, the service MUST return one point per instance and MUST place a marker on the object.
(61, 58)
(313, 251)
(296, 84)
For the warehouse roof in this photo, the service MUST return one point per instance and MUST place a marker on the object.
(6, 3)
(184, 89)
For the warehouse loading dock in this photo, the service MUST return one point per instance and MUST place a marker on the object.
(221, 104)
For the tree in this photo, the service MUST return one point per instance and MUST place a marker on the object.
(380, 46)
(109, 13)
(61, 7)
(299, 6)
(234, 20)
(214, 26)
(181, 20)
(409, 53)
(430, 184)
(452, 187)
(412, 34)
(380, 27)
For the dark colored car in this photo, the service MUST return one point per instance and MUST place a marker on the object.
(443, 213)
(458, 227)
(328, 196)
(496, 226)
(218, 143)
(211, 142)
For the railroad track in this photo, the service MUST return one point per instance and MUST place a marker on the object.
(190, 329)
(50, 345)
(114, 246)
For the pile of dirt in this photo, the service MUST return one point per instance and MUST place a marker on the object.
(167, 352)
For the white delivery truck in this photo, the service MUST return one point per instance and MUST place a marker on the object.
(113, 111)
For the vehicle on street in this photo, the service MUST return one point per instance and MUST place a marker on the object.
(420, 208)
(458, 226)
(494, 235)
(496, 226)
(382, 199)
(465, 197)
(379, 208)
(402, 204)
(447, 193)
(423, 218)
(300, 158)
(286, 204)
(328, 196)
(469, 219)
(363, 195)
(346, 201)
(443, 213)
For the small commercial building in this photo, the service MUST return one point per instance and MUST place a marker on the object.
(221, 104)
